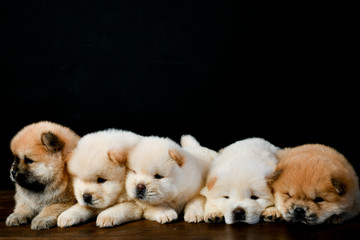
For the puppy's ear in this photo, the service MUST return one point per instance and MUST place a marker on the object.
(51, 142)
(175, 155)
(118, 156)
(210, 183)
(339, 185)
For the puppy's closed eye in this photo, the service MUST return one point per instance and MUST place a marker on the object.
(158, 176)
(101, 180)
(28, 161)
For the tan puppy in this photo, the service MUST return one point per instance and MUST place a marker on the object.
(314, 184)
(163, 177)
(98, 180)
(43, 189)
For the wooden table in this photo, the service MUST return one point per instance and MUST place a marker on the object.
(178, 230)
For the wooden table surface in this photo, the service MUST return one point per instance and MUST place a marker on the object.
(179, 230)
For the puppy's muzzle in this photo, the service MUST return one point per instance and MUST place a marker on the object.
(239, 214)
(140, 191)
(87, 198)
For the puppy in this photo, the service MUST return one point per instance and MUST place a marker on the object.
(314, 184)
(236, 189)
(98, 179)
(43, 189)
(163, 176)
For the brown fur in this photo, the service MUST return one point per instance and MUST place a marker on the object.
(318, 180)
(43, 189)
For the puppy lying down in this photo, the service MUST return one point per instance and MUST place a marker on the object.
(236, 187)
(99, 180)
(314, 184)
(163, 177)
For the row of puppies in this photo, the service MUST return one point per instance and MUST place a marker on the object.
(118, 176)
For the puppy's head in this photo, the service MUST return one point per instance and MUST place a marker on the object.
(312, 184)
(40, 151)
(239, 197)
(98, 170)
(154, 170)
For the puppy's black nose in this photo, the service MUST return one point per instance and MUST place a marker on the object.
(239, 214)
(140, 190)
(299, 213)
(87, 197)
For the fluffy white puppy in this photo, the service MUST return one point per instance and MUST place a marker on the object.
(99, 180)
(236, 188)
(163, 176)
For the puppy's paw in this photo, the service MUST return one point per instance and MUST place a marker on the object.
(335, 219)
(16, 220)
(105, 219)
(67, 219)
(271, 214)
(194, 215)
(214, 217)
(40, 223)
(166, 216)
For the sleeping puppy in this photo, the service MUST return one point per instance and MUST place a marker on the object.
(314, 184)
(98, 180)
(43, 189)
(236, 187)
(163, 176)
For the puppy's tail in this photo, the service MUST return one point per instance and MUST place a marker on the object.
(189, 141)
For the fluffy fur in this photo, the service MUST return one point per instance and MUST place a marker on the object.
(98, 179)
(236, 189)
(163, 176)
(314, 184)
(43, 189)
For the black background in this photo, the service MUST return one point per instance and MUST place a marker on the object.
(219, 70)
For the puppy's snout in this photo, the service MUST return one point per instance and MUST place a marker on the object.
(299, 213)
(87, 198)
(140, 190)
(239, 214)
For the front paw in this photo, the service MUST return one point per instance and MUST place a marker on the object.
(67, 219)
(335, 219)
(16, 220)
(107, 220)
(194, 215)
(166, 216)
(43, 223)
(214, 217)
(271, 214)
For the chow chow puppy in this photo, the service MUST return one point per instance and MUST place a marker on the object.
(314, 184)
(163, 176)
(236, 189)
(43, 189)
(98, 179)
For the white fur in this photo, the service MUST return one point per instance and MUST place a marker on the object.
(240, 172)
(89, 161)
(166, 197)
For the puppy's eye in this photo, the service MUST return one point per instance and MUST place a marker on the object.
(158, 176)
(226, 197)
(132, 171)
(16, 159)
(28, 160)
(318, 199)
(288, 195)
(101, 180)
(253, 197)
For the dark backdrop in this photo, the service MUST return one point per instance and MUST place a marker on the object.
(219, 70)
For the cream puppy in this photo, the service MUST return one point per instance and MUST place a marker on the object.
(236, 188)
(98, 180)
(163, 176)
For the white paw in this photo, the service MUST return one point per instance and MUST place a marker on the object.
(214, 217)
(106, 219)
(166, 216)
(194, 215)
(68, 219)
